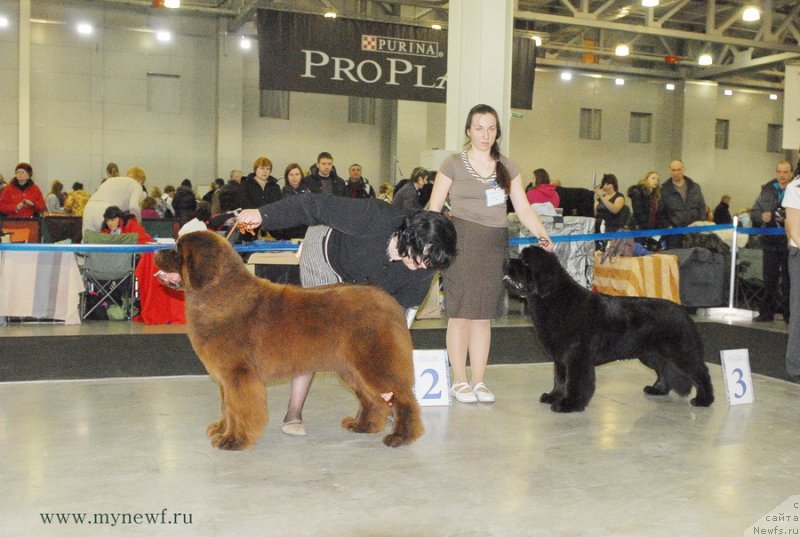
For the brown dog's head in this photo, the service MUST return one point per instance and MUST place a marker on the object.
(197, 260)
(536, 272)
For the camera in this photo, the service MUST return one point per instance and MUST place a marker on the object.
(779, 215)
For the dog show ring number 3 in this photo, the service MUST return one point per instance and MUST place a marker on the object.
(738, 379)
(431, 377)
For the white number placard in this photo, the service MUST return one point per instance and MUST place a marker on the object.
(432, 377)
(738, 380)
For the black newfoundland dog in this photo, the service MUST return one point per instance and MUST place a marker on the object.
(580, 329)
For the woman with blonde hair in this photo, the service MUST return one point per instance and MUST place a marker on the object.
(123, 192)
(646, 201)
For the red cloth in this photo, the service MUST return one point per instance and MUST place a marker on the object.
(157, 303)
(543, 194)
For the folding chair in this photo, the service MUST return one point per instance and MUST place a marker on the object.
(109, 276)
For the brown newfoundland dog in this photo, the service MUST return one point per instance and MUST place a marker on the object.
(580, 329)
(247, 331)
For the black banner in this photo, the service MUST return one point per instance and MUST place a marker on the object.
(310, 53)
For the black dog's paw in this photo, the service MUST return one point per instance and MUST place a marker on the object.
(567, 405)
(704, 402)
(549, 398)
(654, 390)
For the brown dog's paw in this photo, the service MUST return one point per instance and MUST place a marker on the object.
(396, 440)
(230, 442)
(359, 426)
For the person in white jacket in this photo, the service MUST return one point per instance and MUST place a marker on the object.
(124, 192)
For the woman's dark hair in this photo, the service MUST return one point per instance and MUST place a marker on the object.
(24, 166)
(427, 237)
(115, 212)
(187, 183)
(610, 179)
(77, 186)
(418, 172)
(501, 173)
(541, 176)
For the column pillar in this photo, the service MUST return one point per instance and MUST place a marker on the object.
(478, 64)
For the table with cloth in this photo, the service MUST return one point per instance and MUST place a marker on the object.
(654, 276)
(43, 285)
(158, 304)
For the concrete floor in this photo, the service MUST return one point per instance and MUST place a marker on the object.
(630, 465)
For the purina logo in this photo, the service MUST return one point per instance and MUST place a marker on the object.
(394, 45)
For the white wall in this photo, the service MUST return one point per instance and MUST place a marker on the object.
(89, 106)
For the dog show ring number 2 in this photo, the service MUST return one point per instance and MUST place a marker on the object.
(431, 377)
(738, 379)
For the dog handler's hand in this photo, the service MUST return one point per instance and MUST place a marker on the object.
(545, 242)
(249, 218)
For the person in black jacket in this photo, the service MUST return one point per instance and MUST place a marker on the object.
(323, 178)
(357, 185)
(768, 211)
(295, 186)
(358, 241)
(260, 188)
(683, 201)
(184, 202)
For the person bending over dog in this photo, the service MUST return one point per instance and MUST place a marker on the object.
(358, 241)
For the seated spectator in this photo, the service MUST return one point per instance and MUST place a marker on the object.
(543, 191)
(54, 202)
(21, 198)
(148, 206)
(76, 200)
(116, 222)
(722, 213)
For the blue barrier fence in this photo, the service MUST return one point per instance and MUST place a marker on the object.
(286, 246)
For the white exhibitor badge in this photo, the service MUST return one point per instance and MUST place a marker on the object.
(738, 380)
(431, 377)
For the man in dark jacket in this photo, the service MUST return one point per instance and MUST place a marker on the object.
(323, 178)
(357, 185)
(768, 212)
(682, 201)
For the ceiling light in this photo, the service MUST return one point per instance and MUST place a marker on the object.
(622, 50)
(330, 14)
(537, 40)
(773, 96)
(173, 4)
(245, 44)
(705, 59)
(163, 36)
(649, 3)
(728, 92)
(566, 75)
(751, 14)
(84, 28)
(670, 86)
(436, 26)
(4, 22)
(619, 81)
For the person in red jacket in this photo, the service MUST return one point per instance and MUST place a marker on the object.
(116, 221)
(21, 198)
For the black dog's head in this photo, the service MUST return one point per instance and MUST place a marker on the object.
(536, 272)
